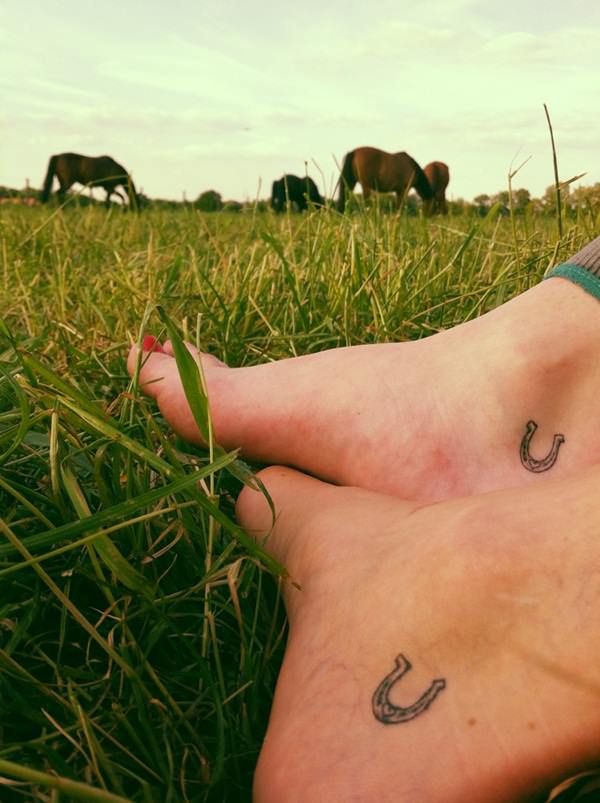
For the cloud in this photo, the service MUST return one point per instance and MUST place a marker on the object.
(190, 90)
(56, 87)
(398, 37)
(569, 48)
(181, 68)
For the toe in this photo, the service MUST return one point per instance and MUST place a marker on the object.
(297, 499)
(207, 359)
(153, 366)
(151, 343)
(316, 526)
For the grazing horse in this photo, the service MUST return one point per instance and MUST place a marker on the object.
(93, 171)
(294, 189)
(379, 171)
(438, 176)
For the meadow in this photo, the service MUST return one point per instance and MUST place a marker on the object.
(141, 630)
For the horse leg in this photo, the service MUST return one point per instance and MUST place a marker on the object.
(61, 192)
(401, 194)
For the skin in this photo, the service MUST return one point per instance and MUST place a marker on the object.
(498, 594)
(493, 597)
(426, 420)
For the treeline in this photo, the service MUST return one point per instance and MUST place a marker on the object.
(573, 200)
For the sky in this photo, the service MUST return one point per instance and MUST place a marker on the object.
(191, 95)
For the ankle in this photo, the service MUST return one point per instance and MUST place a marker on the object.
(545, 361)
(558, 321)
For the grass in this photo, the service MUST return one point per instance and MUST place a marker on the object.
(140, 629)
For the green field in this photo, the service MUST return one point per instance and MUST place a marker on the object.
(140, 630)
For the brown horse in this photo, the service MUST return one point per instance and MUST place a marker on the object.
(382, 172)
(93, 171)
(438, 176)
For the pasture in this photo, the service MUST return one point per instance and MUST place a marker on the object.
(140, 629)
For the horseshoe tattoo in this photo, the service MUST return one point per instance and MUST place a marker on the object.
(390, 714)
(530, 463)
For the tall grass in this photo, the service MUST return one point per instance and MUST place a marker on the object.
(140, 629)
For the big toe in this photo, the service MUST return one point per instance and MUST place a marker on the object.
(292, 499)
(311, 525)
(153, 366)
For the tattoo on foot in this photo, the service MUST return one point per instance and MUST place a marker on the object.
(390, 714)
(530, 463)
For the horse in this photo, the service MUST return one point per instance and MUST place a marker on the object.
(294, 189)
(94, 171)
(438, 176)
(380, 171)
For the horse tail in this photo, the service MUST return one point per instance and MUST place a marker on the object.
(347, 180)
(421, 182)
(49, 179)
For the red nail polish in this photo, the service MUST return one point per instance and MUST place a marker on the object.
(150, 343)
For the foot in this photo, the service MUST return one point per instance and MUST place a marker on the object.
(431, 419)
(495, 602)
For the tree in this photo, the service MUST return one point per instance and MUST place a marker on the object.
(458, 206)
(586, 197)
(521, 200)
(209, 201)
(549, 197)
(483, 203)
(232, 206)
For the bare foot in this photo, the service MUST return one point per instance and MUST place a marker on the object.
(504, 400)
(436, 654)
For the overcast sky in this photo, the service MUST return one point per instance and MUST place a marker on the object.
(227, 95)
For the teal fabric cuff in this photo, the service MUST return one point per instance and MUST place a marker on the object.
(577, 275)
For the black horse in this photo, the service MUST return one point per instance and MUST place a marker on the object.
(93, 171)
(295, 190)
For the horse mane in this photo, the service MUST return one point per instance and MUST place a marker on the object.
(420, 181)
(314, 196)
(132, 194)
(318, 199)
